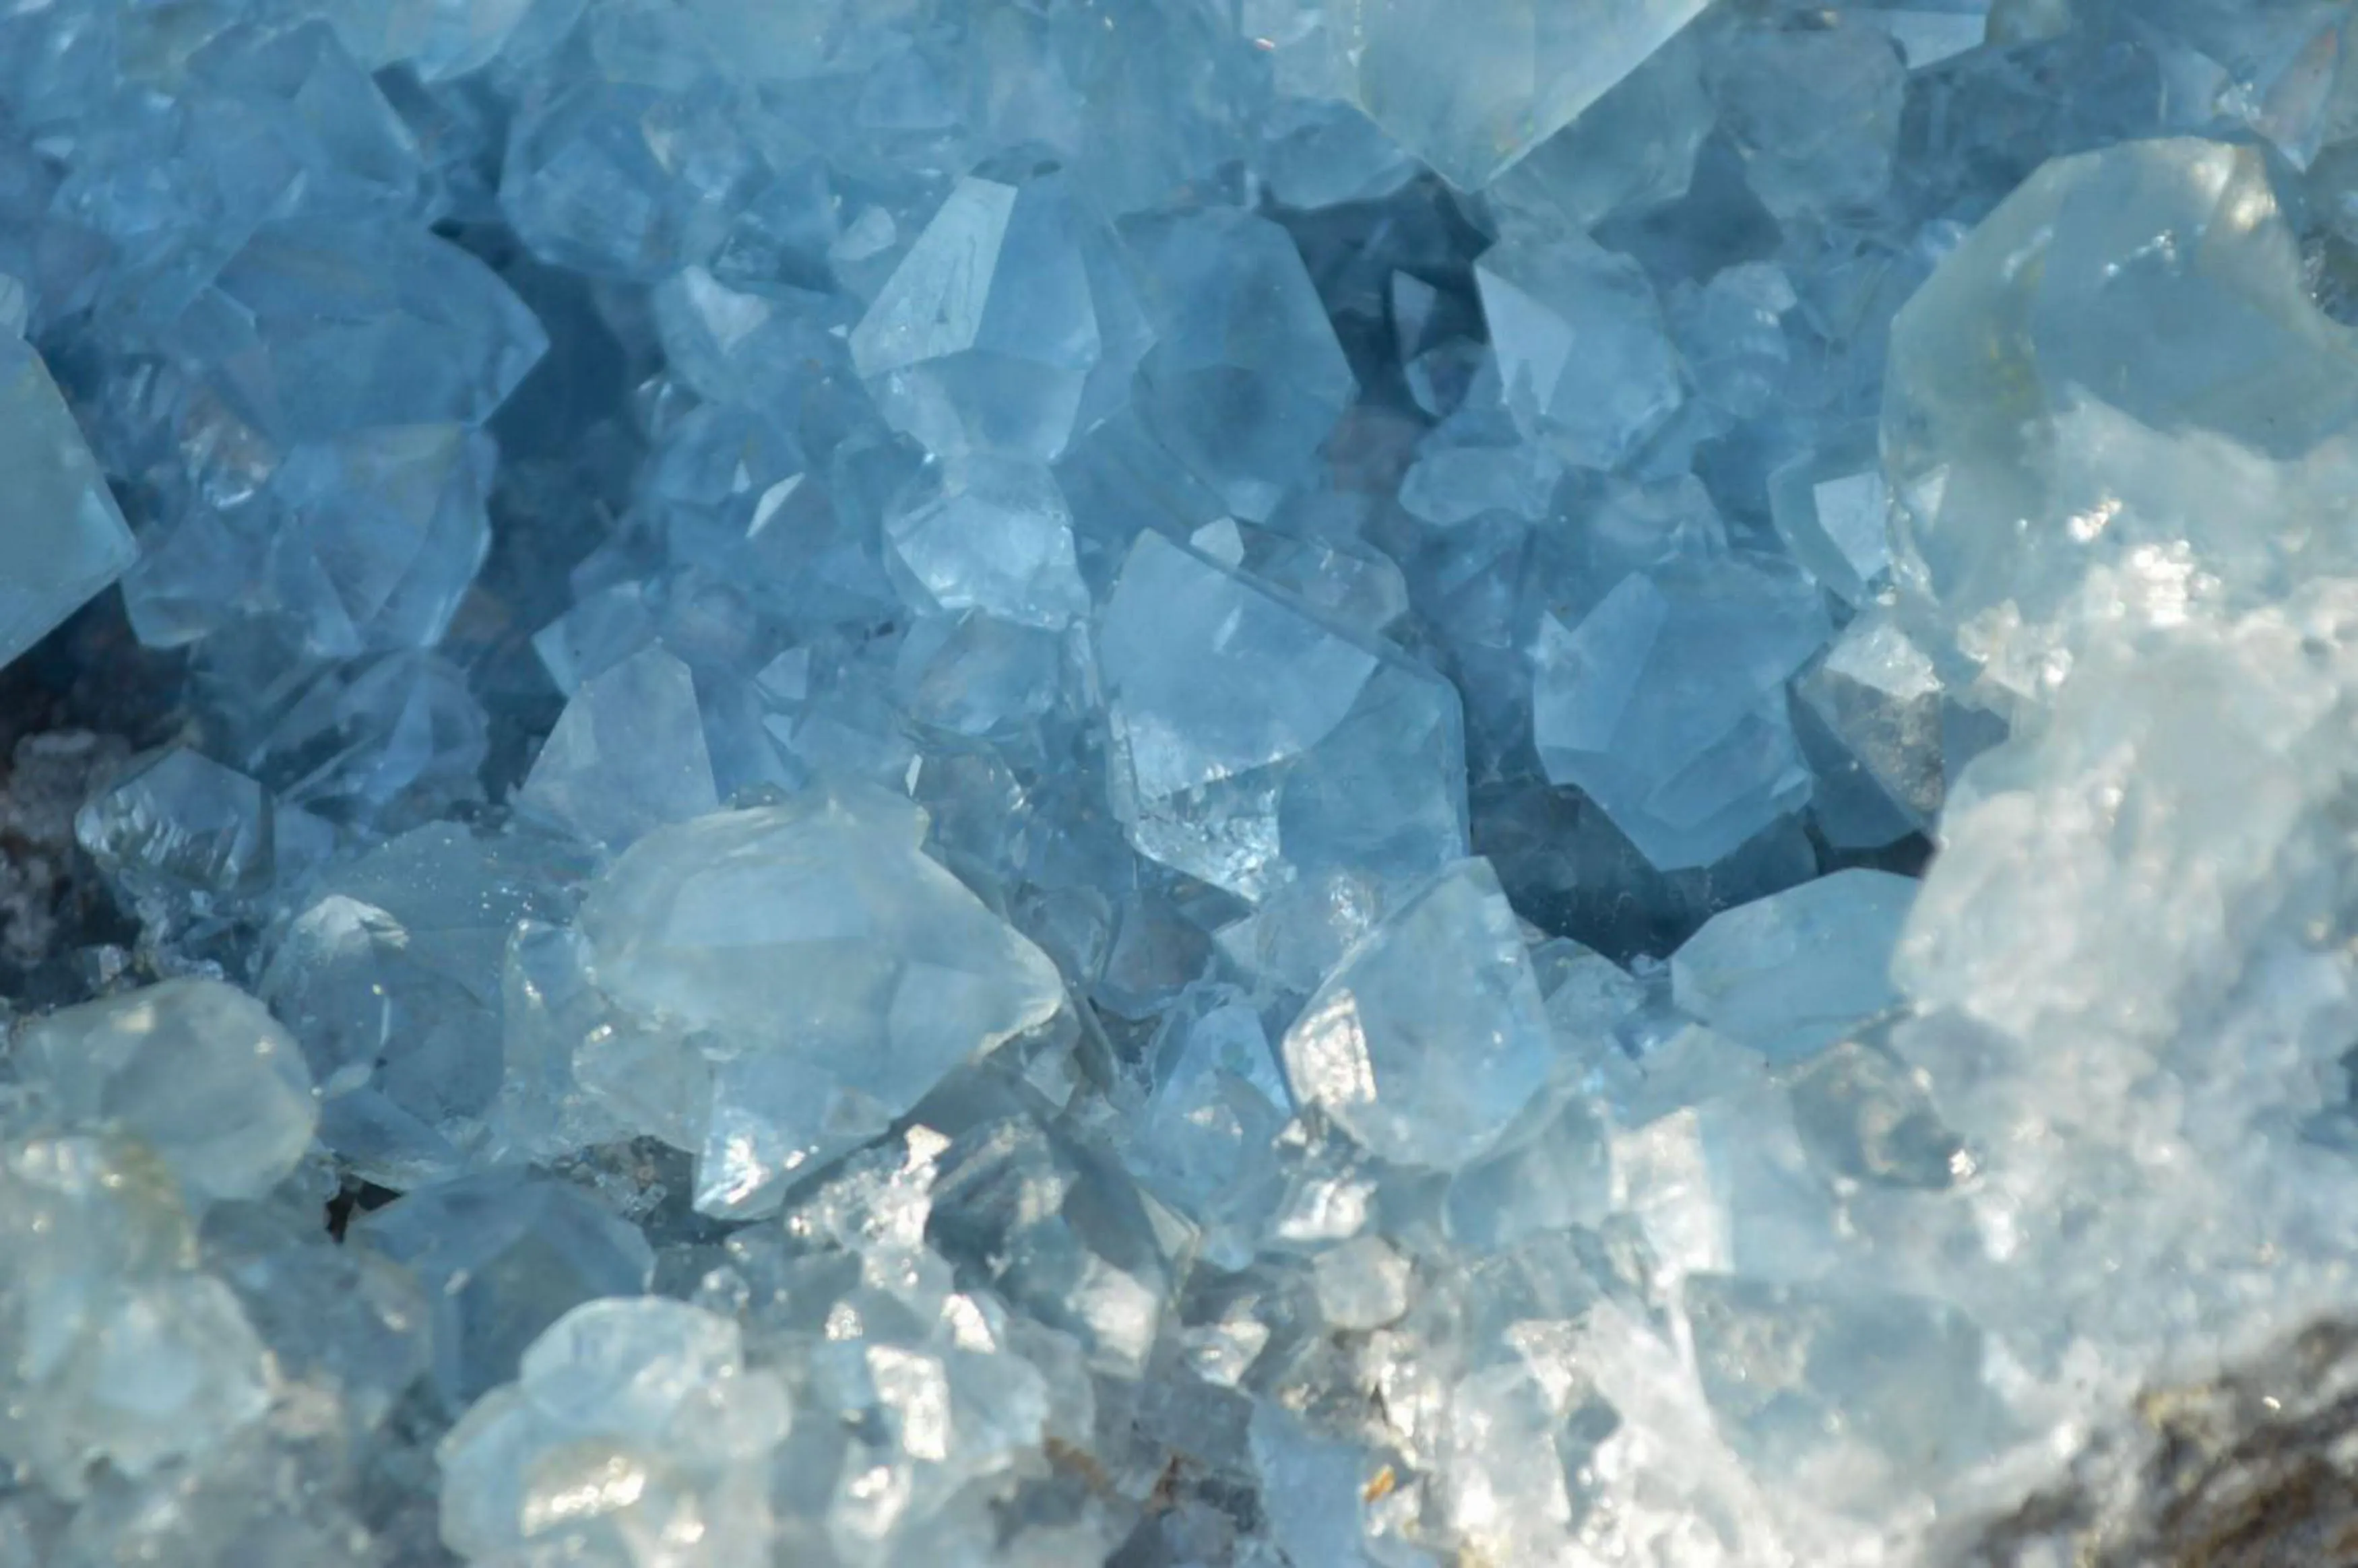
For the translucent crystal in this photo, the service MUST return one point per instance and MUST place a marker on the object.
(1430, 1037)
(502, 1257)
(991, 534)
(1217, 1101)
(1874, 720)
(1631, 149)
(1245, 379)
(316, 329)
(178, 828)
(195, 1069)
(390, 979)
(631, 1419)
(1353, 761)
(2038, 430)
(1471, 90)
(1010, 323)
(117, 1350)
(65, 539)
(379, 535)
(1829, 506)
(1058, 1231)
(627, 755)
(1814, 111)
(1795, 1371)
(1790, 974)
(1666, 703)
(1583, 355)
(822, 916)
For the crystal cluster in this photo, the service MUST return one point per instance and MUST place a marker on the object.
(1279, 783)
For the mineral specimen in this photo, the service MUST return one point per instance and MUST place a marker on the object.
(1177, 784)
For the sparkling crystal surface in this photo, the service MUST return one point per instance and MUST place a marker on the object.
(1177, 784)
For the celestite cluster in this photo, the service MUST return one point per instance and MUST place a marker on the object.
(1172, 784)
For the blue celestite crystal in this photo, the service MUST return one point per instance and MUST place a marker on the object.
(1009, 325)
(1427, 1065)
(1244, 380)
(65, 539)
(1276, 784)
(824, 917)
(1666, 702)
(1353, 759)
(1470, 91)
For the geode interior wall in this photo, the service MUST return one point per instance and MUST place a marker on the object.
(1287, 782)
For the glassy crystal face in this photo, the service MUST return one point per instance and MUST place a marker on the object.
(818, 966)
(1430, 1037)
(180, 828)
(502, 1257)
(66, 539)
(991, 534)
(2043, 436)
(1353, 759)
(1793, 973)
(1470, 91)
(1666, 703)
(1009, 324)
(627, 755)
(1245, 379)
(1584, 360)
(631, 1419)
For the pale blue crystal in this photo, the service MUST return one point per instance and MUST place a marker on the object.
(1633, 148)
(179, 829)
(1793, 973)
(1057, 1229)
(1245, 379)
(1009, 324)
(1470, 90)
(1874, 716)
(630, 1418)
(1352, 760)
(502, 1257)
(1666, 703)
(195, 1069)
(2037, 430)
(65, 540)
(627, 755)
(1830, 506)
(1814, 111)
(118, 1352)
(1430, 1037)
(1215, 1101)
(316, 329)
(1584, 360)
(831, 972)
(378, 536)
(1792, 1370)
(991, 534)
(391, 980)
